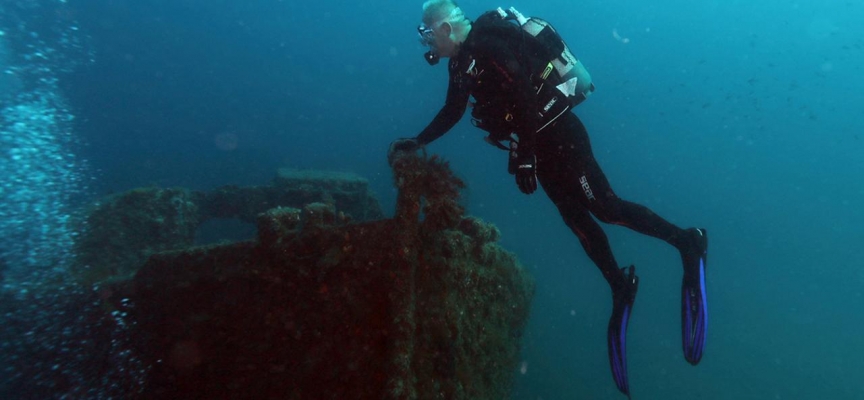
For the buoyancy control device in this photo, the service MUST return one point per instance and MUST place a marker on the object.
(563, 83)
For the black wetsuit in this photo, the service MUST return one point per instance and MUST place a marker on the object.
(490, 67)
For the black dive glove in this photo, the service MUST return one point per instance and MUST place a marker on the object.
(406, 145)
(523, 164)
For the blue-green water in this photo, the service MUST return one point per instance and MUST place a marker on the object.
(742, 117)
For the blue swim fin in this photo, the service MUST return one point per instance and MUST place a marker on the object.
(622, 305)
(694, 302)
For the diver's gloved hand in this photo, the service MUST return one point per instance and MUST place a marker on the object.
(523, 164)
(402, 145)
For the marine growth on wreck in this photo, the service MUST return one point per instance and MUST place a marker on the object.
(330, 300)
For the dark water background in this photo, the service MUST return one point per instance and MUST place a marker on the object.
(741, 117)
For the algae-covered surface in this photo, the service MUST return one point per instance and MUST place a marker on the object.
(121, 231)
(323, 306)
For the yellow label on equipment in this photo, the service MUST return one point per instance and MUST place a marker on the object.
(547, 71)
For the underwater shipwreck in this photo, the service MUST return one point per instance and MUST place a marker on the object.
(329, 301)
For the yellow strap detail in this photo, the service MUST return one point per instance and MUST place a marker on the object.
(547, 71)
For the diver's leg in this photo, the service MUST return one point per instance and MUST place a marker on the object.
(590, 234)
(692, 243)
(559, 172)
(601, 200)
(557, 180)
(623, 282)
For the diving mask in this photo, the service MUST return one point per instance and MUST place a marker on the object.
(426, 35)
(427, 39)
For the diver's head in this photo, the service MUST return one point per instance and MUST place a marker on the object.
(444, 27)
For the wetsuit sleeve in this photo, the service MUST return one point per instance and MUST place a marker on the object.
(451, 113)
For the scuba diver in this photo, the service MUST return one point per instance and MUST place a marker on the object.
(524, 82)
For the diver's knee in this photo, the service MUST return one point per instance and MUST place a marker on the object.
(610, 212)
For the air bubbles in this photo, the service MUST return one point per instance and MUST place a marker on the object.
(59, 328)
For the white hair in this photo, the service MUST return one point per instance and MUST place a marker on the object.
(436, 11)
